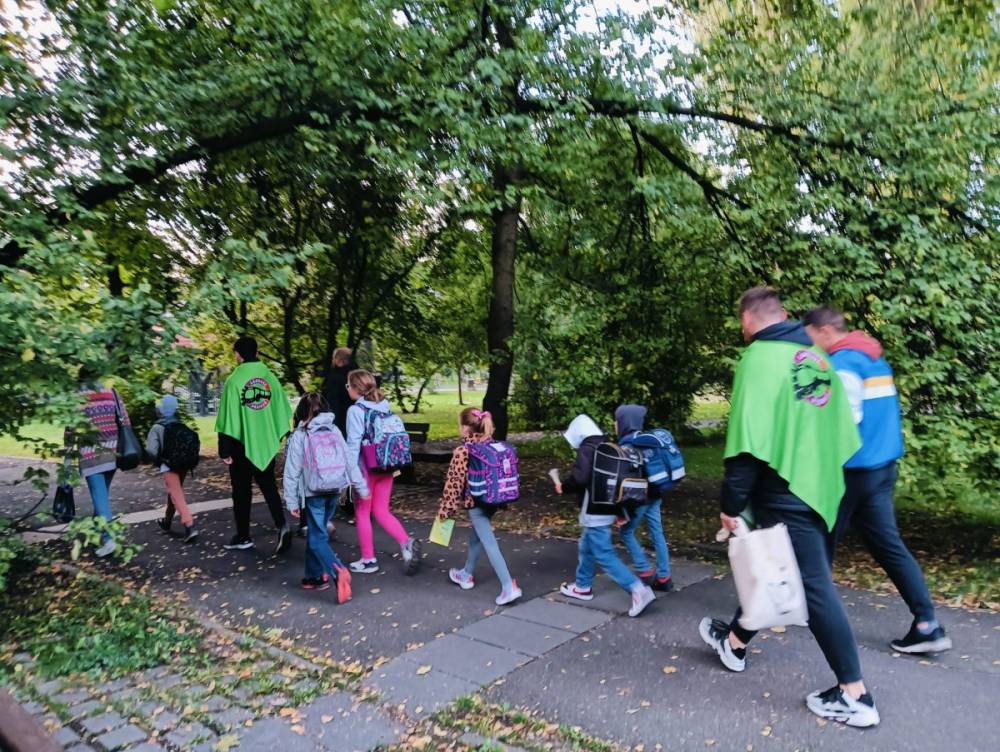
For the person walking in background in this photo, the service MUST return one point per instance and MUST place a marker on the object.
(335, 392)
(103, 408)
(629, 421)
(173, 448)
(790, 433)
(476, 427)
(370, 405)
(596, 521)
(317, 470)
(254, 417)
(870, 475)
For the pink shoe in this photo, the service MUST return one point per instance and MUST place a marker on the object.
(461, 578)
(510, 595)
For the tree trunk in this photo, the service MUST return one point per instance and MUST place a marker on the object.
(500, 326)
(420, 394)
(460, 402)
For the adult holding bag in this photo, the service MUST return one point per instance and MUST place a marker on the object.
(790, 433)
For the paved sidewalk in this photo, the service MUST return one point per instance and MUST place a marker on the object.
(424, 643)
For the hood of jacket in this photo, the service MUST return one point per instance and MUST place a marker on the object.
(382, 406)
(580, 428)
(861, 342)
(321, 421)
(785, 331)
(629, 419)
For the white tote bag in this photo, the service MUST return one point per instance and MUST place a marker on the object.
(767, 578)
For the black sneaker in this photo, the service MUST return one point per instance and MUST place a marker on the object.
(163, 524)
(284, 540)
(191, 534)
(916, 641)
(236, 542)
(665, 585)
(837, 705)
(715, 633)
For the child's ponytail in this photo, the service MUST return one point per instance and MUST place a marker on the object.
(478, 421)
(364, 383)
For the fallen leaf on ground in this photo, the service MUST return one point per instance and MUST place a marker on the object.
(670, 669)
(423, 670)
(779, 630)
(326, 718)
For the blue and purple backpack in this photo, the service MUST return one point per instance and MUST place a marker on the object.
(493, 478)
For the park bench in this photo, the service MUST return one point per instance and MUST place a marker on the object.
(418, 437)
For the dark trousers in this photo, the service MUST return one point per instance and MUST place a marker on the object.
(868, 507)
(827, 617)
(242, 472)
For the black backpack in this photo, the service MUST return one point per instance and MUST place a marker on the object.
(181, 446)
(618, 479)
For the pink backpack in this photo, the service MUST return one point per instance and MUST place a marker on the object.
(493, 477)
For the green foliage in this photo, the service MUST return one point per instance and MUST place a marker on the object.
(88, 532)
(85, 625)
(16, 557)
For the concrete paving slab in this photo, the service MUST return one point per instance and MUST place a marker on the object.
(520, 636)
(422, 694)
(339, 722)
(552, 613)
(476, 662)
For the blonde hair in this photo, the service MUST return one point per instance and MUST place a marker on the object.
(364, 383)
(480, 421)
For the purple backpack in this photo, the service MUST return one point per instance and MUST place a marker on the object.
(493, 475)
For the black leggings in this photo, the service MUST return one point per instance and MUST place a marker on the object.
(242, 473)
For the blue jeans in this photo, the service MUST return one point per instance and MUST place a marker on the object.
(868, 506)
(654, 525)
(320, 558)
(481, 537)
(100, 494)
(827, 616)
(596, 548)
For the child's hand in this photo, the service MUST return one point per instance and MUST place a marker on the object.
(442, 515)
(621, 521)
(295, 513)
(559, 488)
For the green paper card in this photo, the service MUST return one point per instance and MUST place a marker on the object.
(441, 532)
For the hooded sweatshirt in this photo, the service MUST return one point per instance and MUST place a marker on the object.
(356, 428)
(790, 430)
(630, 419)
(584, 436)
(154, 439)
(871, 391)
(295, 453)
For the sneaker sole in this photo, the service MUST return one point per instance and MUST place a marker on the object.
(853, 720)
(500, 602)
(706, 637)
(935, 646)
(463, 585)
(366, 570)
(238, 546)
(577, 597)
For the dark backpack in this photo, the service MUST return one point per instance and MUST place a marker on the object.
(181, 446)
(664, 463)
(617, 479)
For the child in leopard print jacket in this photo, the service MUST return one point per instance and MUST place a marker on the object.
(476, 427)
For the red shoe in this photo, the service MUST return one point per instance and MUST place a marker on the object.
(646, 576)
(343, 584)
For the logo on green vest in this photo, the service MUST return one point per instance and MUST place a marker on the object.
(811, 377)
(256, 394)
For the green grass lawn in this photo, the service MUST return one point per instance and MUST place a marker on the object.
(441, 411)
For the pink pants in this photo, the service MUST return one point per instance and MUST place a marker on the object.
(175, 497)
(380, 485)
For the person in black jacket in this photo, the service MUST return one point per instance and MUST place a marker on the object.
(752, 483)
(596, 547)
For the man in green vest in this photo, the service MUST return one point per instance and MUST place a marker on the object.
(254, 417)
(790, 433)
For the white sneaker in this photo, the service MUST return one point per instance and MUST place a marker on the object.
(572, 591)
(642, 596)
(509, 596)
(837, 705)
(106, 550)
(461, 578)
(365, 566)
(715, 633)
